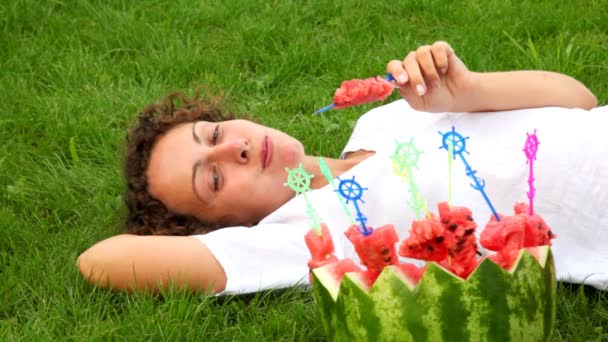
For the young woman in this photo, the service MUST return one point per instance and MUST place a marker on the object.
(190, 172)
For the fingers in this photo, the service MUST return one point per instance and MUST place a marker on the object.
(422, 68)
(417, 83)
(407, 71)
(395, 68)
(441, 51)
(425, 60)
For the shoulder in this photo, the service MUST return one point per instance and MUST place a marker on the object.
(386, 111)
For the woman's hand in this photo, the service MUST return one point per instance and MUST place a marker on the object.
(433, 79)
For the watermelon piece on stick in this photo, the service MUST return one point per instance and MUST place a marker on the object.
(449, 241)
(425, 241)
(360, 91)
(513, 233)
(376, 250)
(321, 247)
(460, 239)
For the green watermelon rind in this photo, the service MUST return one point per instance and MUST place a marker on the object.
(492, 304)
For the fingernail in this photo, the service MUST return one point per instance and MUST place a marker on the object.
(420, 89)
(444, 70)
(435, 84)
(402, 78)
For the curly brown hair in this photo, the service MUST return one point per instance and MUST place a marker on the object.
(146, 214)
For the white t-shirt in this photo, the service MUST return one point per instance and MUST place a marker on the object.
(571, 181)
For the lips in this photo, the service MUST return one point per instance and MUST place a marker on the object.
(267, 151)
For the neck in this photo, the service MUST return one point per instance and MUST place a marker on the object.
(337, 167)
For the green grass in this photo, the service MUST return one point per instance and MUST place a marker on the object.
(74, 73)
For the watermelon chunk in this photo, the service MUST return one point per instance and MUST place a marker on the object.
(537, 232)
(451, 242)
(425, 241)
(460, 239)
(506, 233)
(321, 248)
(359, 91)
(376, 250)
(505, 237)
(320, 245)
(513, 233)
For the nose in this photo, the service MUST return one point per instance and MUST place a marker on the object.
(236, 150)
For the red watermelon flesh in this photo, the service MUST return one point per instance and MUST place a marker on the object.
(462, 260)
(506, 233)
(411, 271)
(456, 220)
(425, 241)
(513, 233)
(321, 248)
(505, 237)
(337, 269)
(449, 241)
(359, 91)
(368, 278)
(537, 232)
(320, 244)
(312, 264)
(460, 239)
(376, 250)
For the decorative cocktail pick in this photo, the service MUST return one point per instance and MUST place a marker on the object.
(326, 171)
(405, 159)
(459, 148)
(388, 77)
(530, 150)
(450, 173)
(352, 191)
(299, 181)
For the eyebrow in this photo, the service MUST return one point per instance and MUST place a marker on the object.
(196, 165)
(194, 136)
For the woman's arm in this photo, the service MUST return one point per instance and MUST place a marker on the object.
(434, 79)
(529, 89)
(128, 262)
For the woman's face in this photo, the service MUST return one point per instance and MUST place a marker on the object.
(231, 172)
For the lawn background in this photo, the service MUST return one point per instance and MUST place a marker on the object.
(73, 74)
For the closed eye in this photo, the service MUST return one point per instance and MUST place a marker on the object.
(216, 179)
(216, 134)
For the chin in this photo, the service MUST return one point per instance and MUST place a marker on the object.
(294, 154)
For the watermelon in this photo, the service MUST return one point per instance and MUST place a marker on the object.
(508, 295)
(376, 250)
(410, 272)
(492, 304)
(359, 91)
(321, 248)
(512, 233)
(537, 232)
(460, 239)
(425, 241)
(335, 271)
(451, 241)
